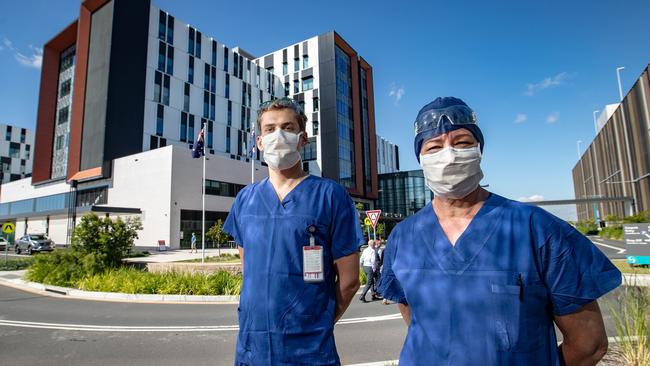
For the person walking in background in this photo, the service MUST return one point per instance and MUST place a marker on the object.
(193, 244)
(367, 261)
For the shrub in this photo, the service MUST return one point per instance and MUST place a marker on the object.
(612, 232)
(632, 326)
(587, 227)
(133, 281)
(64, 267)
(112, 239)
(15, 264)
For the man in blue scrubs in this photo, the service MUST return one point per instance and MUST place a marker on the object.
(480, 279)
(298, 238)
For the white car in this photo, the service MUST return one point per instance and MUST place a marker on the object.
(4, 244)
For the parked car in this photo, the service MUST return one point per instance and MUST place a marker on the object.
(3, 244)
(32, 243)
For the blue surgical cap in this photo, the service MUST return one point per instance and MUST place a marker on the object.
(445, 126)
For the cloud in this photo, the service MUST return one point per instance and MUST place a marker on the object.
(396, 92)
(533, 198)
(33, 59)
(549, 82)
(520, 118)
(553, 117)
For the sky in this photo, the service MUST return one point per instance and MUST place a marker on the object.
(534, 71)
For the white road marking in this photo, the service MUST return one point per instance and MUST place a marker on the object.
(182, 329)
(620, 250)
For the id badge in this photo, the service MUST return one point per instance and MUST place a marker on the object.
(312, 263)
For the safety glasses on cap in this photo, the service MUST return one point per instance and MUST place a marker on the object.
(456, 114)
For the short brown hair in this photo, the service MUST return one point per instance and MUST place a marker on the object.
(283, 103)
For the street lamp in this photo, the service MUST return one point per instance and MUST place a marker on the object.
(595, 122)
(578, 146)
(618, 77)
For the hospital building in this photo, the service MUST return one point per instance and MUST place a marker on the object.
(124, 91)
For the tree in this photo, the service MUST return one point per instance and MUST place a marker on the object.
(110, 240)
(381, 229)
(216, 233)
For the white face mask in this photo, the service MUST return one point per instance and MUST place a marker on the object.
(452, 173)
(281, 149)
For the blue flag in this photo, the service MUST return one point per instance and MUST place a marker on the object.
(198, 147)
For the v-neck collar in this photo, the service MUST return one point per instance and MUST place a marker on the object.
(457, 258)
(273, 200)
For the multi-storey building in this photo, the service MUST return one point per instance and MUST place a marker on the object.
(617, 162)
(16, 156)
(334, 85)
(127, 78)
(387, 156)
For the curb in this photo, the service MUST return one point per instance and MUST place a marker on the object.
(636, 279)
(66, 292)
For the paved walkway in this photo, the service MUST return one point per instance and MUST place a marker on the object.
(179, 255)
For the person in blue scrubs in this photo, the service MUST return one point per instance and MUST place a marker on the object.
(481, 279)
(298, 237)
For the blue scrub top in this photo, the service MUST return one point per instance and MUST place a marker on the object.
(284, 320)
(490, 300)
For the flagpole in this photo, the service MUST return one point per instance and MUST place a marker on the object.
(252, 152)
(203, 203)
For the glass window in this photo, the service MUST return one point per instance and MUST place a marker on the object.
(309, 152)
(59, 146)
(162, 19)
(212, 106)
(296, 64)
(8, 134)
(66, 86)
(161, 56)
(190, 133)
(63, 114)
(206, 77)
(198, 44)
(315, 104)
(213, 79)
(170, 29)
(286, 89)
(236, 59)
(190, 39)
(170, 60)
(159, 120)
(305, 61)
(227, 86)
(225, 59)
(210, 134)
(165, 96)
(307, 84)
(183, 126)
(157, 88)
(206, 104)
(214, 53)
(285, 68)
(190, 70)
(296, 87)
(186, 98)
(228, 139)
(229, 117)
(153, 142)
(345, 125)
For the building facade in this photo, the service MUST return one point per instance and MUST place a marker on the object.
(334, 84)
(387, 156)
(617, 162)
(403, 193)
(127, 79)
(16, 153)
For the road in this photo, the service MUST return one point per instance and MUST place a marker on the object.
(41, 330)
(613, 249)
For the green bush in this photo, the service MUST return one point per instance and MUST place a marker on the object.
(64, 267)
(612, 232)
(112, 239)
(587, 227)
(128, 280)
(15, 264)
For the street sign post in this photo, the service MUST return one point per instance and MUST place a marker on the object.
(8, 228)
(637, 243)
(373, 216)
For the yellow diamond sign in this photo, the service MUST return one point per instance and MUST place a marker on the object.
(8, 227)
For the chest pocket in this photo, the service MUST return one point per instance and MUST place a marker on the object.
(519, 316)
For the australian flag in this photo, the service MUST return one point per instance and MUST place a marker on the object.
(198, 148)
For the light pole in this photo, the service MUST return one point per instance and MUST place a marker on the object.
(597, 177)
(627, 142)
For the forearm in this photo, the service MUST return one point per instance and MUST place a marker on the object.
(406, 313)
(574, 355)
(344, 295)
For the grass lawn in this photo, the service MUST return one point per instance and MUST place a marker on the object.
(624, 267)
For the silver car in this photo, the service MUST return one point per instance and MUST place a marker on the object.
(33, 243)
